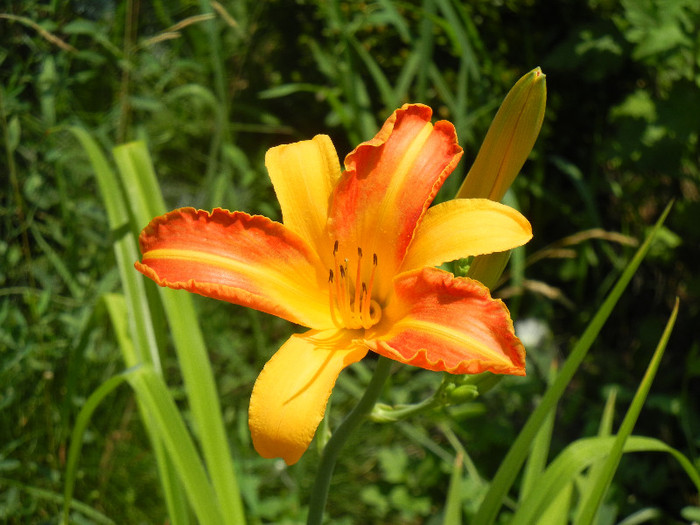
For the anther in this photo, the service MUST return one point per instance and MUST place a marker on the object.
(351, 297)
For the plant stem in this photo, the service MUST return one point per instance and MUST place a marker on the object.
(319, 494)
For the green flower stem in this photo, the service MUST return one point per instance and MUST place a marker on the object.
(389, 414)
(319, 494)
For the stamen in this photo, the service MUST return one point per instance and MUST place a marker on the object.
(352, 299)
(343, 297)
(368, 297)
(358, 277)
(332, 300)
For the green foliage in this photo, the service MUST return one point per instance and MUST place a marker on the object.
(209, 87)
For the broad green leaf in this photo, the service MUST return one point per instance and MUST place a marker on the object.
(155, 396)
(146, 201)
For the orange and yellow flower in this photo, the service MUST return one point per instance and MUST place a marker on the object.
(354, 261)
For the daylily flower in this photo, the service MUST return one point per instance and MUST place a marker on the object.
(354, 261)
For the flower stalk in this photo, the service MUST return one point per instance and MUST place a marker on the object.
(319, 494)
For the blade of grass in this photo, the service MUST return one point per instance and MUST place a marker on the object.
(57, 262)
(175, 498)
(458, 31)
(222, 132)
(581, 455)
(386, 92)
(605, 430)
(76, 439)
(509, 468)
(156, 398)
(691, 513)
(537, 460)
(54, 497)
(550, 484)
(600, 485)
(141, 347)
(411, 67)
(642, 516)
(557, 512)
(346, 74)
(453, 505)
(395, 19)
(139, 178)
(424, 48)
(125, 251)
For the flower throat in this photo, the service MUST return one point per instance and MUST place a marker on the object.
(351, 302)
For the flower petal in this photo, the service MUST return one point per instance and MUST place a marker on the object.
(465, 227)
(290, 395)
(304, 175)
(235, 257)
(443, 323)
(509, 140)
(389, 183)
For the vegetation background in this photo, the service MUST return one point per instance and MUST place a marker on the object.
(210, 87)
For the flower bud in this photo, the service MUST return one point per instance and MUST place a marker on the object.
(509, 140)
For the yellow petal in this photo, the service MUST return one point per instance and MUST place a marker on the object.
(304, 175)
(509, 140)
(290, 396)
(464, 228)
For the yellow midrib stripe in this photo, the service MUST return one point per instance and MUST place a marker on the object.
(444, 332)
(226, 263)
(407, 161)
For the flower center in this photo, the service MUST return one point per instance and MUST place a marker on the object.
(351, 300)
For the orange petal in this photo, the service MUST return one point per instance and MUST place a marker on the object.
(389, 183)
(443, 323)
(235, 257)
(463, 228)
(304, 175)
(290, 395)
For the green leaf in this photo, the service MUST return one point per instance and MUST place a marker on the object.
(580, 455)
(14, 132)
(76, 439)
(158, 402)
(137, 338)
(453, 505)
(594, 499)
(138, 177)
